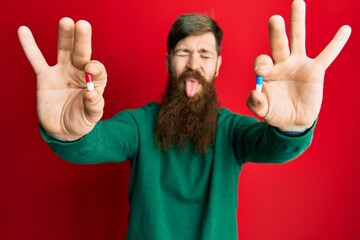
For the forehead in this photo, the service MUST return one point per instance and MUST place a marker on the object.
(202, 41)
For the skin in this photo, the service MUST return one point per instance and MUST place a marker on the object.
(293, 82)
(291, 97)
(195, 53)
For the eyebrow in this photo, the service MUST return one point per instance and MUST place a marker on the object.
(202, 50)
(182, 50)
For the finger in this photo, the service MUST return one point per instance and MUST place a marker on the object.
(65, 40)
(97, 69)
(332, 50)
(297, 30)
(263, 65)
(32, 51)
(258, 103)
(278, 40)
(93, 105)
(82, 44)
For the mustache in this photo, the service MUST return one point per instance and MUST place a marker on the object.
(192, 74)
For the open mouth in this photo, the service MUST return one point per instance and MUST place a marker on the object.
(192, 86)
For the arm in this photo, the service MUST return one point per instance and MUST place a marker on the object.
(112, 140)
(262, 143)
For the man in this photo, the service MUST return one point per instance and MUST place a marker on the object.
(186, 153)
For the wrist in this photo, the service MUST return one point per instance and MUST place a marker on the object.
(294, 128)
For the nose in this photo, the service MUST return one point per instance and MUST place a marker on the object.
(194, 62)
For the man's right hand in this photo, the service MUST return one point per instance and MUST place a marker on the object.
(66, 109)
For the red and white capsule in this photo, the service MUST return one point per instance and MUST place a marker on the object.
(89, 81)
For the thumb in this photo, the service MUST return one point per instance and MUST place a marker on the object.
(257, 102)
(93, 105)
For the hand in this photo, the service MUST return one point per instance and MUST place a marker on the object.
(66, 109)
(293, 83)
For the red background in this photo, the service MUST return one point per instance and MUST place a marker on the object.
(316, 196)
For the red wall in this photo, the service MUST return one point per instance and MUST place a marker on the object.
(42, 197)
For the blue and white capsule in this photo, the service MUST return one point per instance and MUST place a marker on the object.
(259, 83)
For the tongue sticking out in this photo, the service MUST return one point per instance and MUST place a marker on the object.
(191, 86)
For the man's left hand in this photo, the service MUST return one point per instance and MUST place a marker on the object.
(293, 83)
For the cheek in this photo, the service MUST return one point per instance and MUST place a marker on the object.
(210, 71)
(177, 69)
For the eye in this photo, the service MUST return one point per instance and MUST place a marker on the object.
(205, 57)
(205, 54)
(182, 53)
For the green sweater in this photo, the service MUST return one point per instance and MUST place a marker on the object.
(178, 194)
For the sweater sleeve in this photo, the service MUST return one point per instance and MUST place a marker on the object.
(259, 142)
(112, 140)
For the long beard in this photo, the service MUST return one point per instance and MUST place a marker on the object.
(182, 118)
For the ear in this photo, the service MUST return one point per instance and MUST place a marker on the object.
(167, 59)
(218, 64)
